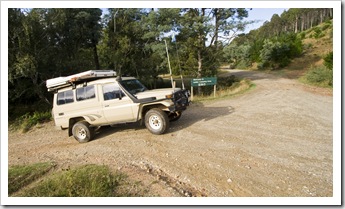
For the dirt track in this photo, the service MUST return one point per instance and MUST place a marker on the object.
(275, 140)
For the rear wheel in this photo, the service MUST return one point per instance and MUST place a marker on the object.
(156, 121)
(82, 131)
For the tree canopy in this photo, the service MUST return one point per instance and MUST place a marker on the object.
(44, 43)
(277, 41)
(47, 43)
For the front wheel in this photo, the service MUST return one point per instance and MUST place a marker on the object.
(156, 121)
(82, 132)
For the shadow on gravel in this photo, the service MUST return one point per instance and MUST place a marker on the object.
(252, 75)
(108, 130)
(199, 112)
(195, 112)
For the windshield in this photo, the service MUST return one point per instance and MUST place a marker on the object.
(133, 86)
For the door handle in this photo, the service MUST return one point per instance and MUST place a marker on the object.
(61, 113)
(106, 106)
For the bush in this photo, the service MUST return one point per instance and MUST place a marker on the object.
(224, 82)
(29, 120)
(277, 53)
(320, 76)
(302, 35)
(318, 33)
(325, 26)
(328, 60)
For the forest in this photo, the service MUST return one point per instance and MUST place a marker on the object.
(52, 42)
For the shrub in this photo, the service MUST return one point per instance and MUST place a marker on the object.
(29, 120)
(325, 26)
(318, 33)
(302, 35)
(320, 76)
(328, 60)
(224, 82)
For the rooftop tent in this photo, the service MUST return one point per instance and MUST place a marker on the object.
(60, 82)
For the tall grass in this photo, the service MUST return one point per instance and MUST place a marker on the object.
(82, 181)
(20, 176)
(86, 181)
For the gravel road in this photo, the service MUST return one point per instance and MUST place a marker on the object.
(275, 140)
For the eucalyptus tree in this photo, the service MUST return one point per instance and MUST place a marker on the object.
(204, 32)
(134, 41)
(27, 45)
(157, 25)
(124, 39)
(46, 43)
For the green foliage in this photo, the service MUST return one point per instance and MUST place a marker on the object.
(51, 42)
(85, 181)
(29, 120)
(302, 35)
(328, 24)
(275, 53)
(328, 61)
(238, 55)
(278, 51)
(318, 33)
(22, 175)
(46, 43)
(320, 76)
(225, 82)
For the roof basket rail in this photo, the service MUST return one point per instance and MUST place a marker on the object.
(60, 82)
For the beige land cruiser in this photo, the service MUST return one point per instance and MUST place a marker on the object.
(86, 101)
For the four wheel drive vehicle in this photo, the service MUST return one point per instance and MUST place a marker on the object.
(85, 101)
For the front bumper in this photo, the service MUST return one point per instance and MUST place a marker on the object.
(181, 100)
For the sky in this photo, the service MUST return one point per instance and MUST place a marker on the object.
(261, 15)
(258, 14)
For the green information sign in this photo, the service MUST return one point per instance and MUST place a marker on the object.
(210, 81)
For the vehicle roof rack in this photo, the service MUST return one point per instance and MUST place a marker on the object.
(60, 82)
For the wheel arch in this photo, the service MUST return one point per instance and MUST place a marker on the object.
(146, 108)
(71, 122)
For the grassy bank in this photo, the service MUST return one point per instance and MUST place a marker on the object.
(84, 181)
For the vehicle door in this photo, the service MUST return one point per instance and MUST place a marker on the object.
(117, 107)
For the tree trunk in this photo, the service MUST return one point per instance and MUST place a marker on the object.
(95, 54)
(296, 24)
(200, 48)
(38, 89)
(199, 68)
(302, 23)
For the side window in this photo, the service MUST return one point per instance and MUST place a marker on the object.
(84, 93)
(65, 97)
(112, 91)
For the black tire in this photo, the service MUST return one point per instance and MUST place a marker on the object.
(176, 116)
(82, 132)
(156, 121)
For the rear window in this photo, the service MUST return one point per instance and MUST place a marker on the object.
(87, 92)
(65, 97)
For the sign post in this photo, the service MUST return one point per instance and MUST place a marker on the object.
(207, 81)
